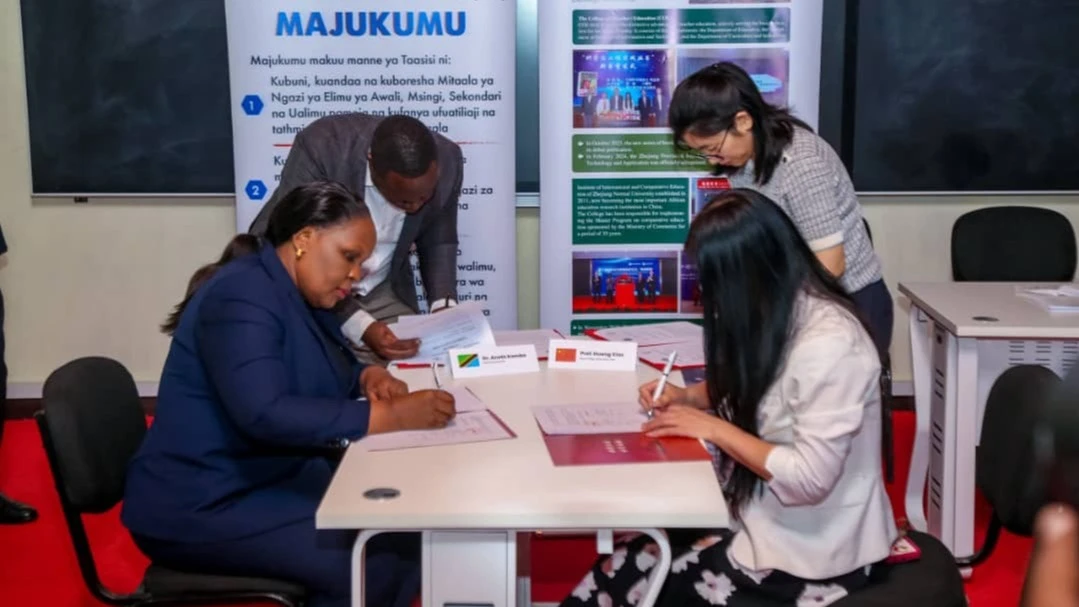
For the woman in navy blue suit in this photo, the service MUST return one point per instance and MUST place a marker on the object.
(259, 392)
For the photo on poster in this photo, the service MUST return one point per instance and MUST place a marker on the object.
(738, 1)
(706, 188)
(769, 67)
(625, 282)
(621, 88)
(691, 290)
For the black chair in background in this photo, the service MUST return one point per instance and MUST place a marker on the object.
(1006, 457)
(1013, 244)
(91, 424)
(887, 443)
(931, 581)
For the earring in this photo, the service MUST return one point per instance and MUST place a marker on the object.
(299, 253)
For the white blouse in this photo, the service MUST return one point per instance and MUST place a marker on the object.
(825, 512)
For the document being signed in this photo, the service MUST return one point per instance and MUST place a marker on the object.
(462, 326)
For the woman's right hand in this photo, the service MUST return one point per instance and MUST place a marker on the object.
(423, 410)
(672, 395)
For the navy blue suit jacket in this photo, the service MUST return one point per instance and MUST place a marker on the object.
(256, 386)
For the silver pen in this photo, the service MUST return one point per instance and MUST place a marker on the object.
(434, 371)
(662, 384)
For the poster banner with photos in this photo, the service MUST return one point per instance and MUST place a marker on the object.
(617, 198)
(294, 61)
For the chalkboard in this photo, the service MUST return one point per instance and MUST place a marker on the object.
(128, 96)
(132, 97)
(965, 95)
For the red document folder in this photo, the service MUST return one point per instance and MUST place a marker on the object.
(633, 448)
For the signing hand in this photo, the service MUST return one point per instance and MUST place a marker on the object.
(379, 384)
(1053, 575)
(381, 339)
(423, 410)
(681, 420)
(694, 396)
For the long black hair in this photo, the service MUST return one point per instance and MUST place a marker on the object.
(752, 265)
(705, 104)
(318, 204)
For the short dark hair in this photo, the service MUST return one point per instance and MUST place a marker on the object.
(706, 103)
(317, 204)
(403, 145)
(752, 265)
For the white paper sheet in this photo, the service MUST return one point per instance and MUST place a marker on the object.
(470, 427)
(609, 418)
(462, 326)
(690, 354)
(539, 338)
(1055, 299)
(654, 334)
(465, 400)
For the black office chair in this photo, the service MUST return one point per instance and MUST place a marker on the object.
(1013, 244)
(91, 424)
(1006, 456)
(887, 442)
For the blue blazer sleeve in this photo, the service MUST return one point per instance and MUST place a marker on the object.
(241, 341)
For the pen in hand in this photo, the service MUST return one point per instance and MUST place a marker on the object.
(650, 413)
(434, 371)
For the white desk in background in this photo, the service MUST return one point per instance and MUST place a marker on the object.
(470, 500)
(963, 336)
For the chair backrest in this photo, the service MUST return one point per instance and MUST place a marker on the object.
(1013, 244)
(93, 423)
(1006, 458)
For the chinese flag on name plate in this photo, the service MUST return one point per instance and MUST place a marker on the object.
(565, 355)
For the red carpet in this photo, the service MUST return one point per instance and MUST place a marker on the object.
(38, 568)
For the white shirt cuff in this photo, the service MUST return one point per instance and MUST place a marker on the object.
(445, 302)
(832, 240)
(356, 326)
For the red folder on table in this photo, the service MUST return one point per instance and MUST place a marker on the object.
(632, 448)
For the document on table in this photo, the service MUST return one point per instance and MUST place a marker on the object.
(690, 354)
(539, 338)
(609, 418)
(465, 400)
(654, 334)
(1060, 298)
(462, 326)
(469, 427)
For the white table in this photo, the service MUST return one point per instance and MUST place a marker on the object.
(963, 336)
(471, 500)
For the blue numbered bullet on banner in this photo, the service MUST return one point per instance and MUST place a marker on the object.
(255, 189)
(252, 105)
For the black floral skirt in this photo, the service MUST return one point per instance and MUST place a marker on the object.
(701, 573)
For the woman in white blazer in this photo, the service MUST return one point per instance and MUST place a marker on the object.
(791, 412)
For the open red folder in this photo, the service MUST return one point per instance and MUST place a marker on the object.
(632, 448)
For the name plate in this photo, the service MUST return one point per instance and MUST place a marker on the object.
(592, 355)
(487, 361)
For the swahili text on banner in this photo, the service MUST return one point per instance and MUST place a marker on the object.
(617, 198)
(451, 66)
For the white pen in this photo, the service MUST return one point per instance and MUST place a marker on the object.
(662, 383)
(434, 371)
